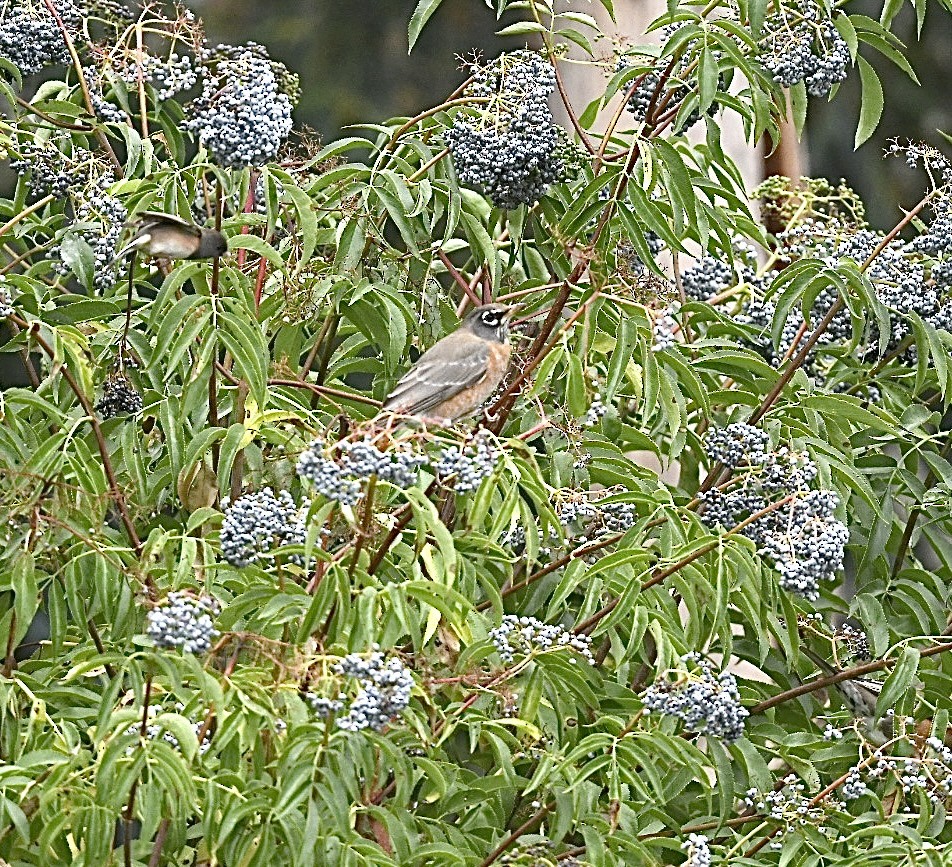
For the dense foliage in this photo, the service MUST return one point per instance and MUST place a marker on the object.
(681, 595)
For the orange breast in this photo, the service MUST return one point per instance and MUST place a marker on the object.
(471, 399)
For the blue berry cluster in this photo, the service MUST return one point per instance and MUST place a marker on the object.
(591, 515)
(241, 116)
(385, 687)
(327, 477)
(802, 539)
(470, 464)
(100, 217)
(673, 93)
(153, 731)
(322, 705)
(169, 76)
(256, 524)
(708, 704)
(51, 171)
(801, 43)
(929, 772)
(362, 459)
(119, 397)
(342, 480)
(676, 90)
(595, 413)
(30, 37)
(664, 329)
(854, 786)
(183, 621)
(856, 641)
(787, 804)
(539, 854)
(6, 299)
(737, 444)
(527, 635)
(710, 275)
(509, 149)
(698, 851)
(106, 111)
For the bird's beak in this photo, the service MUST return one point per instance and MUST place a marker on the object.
(512, 310)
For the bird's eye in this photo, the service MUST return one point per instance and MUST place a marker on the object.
(490, 318)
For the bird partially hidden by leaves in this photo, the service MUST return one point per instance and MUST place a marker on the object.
(859, 695)
(166, 236)
(459, 373)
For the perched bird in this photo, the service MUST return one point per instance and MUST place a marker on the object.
(168, 237)
(453, 378)
(860, 696)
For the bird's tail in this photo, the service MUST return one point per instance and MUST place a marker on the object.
(825, 666)
(131, 247)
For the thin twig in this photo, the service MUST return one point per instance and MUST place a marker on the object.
(117, 496)
(530, 823)
(36, 206)
(458, 278)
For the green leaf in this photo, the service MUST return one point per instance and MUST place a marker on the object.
(421, 14)
(871, 109)
(899, 680)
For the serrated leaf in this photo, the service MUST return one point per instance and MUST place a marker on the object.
(421, 14)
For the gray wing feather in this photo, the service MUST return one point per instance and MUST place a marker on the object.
(442, 372)
(151, 219)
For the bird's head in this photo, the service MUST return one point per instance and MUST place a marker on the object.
(212, 243)
(491, 322)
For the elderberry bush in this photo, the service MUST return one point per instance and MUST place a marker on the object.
(481, 655)
(507, 148)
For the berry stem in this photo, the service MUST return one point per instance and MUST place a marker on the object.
(460, 280)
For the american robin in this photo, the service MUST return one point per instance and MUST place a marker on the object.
(168, 237)
(457, 375)
(860, 696)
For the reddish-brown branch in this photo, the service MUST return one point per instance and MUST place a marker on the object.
(570, 110)
(459, 279)
(532, 822)
(830, 679)
(325, 390)
(32, 330)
